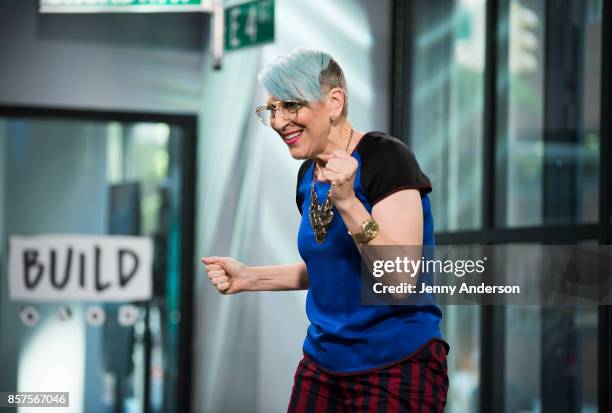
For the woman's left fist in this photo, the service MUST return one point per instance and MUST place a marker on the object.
(340, 170)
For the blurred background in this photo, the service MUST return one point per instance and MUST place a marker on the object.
(119, 124)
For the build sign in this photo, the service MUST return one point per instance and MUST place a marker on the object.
(77, 267)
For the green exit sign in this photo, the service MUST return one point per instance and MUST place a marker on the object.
(249, 24)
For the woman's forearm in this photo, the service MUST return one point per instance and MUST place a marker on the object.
(395, 230)
(353, 214)
(279, 277)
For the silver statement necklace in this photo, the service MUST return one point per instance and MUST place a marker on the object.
(321, 217)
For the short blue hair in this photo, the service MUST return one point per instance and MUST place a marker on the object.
(304, 74)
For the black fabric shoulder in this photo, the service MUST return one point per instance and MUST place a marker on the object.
(388, 166)
(303, 168)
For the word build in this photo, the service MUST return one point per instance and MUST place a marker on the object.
(77, 267)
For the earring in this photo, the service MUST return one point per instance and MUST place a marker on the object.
(331, 118)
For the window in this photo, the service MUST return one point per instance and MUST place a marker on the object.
(547, 153)
(446, 108)
(446, 134)
(504, 115)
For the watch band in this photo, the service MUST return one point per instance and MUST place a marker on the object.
(369, 231)
(358, 238)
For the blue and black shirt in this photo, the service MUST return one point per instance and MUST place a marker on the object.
(345, 336)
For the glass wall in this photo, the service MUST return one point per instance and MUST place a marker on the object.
(549, 78)
(551, 359)
(511, 101)
(547, 170)
(70, 176)
(447, 106)
(446, 113)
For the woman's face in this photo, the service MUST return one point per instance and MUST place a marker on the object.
(307, 134)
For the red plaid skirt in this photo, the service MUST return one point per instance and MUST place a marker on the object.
(416, 384)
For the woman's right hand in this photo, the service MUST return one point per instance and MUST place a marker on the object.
(228, 275)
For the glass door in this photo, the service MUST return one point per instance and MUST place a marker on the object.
(63, 175)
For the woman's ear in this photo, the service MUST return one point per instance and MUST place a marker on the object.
(336, 99)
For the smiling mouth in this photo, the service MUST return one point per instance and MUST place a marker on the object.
(292, 137)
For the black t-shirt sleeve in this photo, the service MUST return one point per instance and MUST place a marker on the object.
(389, 166)
(299, 195)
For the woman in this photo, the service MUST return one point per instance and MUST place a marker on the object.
(353, 189)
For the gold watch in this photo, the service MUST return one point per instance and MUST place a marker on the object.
(369, 231)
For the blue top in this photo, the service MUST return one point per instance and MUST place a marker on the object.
(345, 336)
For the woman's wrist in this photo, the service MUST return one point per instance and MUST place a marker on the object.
(249, 278)
(346, 204)
(353, 213)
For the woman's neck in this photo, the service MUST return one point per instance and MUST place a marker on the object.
(341, 136)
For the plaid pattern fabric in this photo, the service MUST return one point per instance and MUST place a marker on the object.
(416, 384)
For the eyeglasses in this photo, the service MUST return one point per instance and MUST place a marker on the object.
(287, 109)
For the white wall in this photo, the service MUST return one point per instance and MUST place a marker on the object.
(248, 345)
